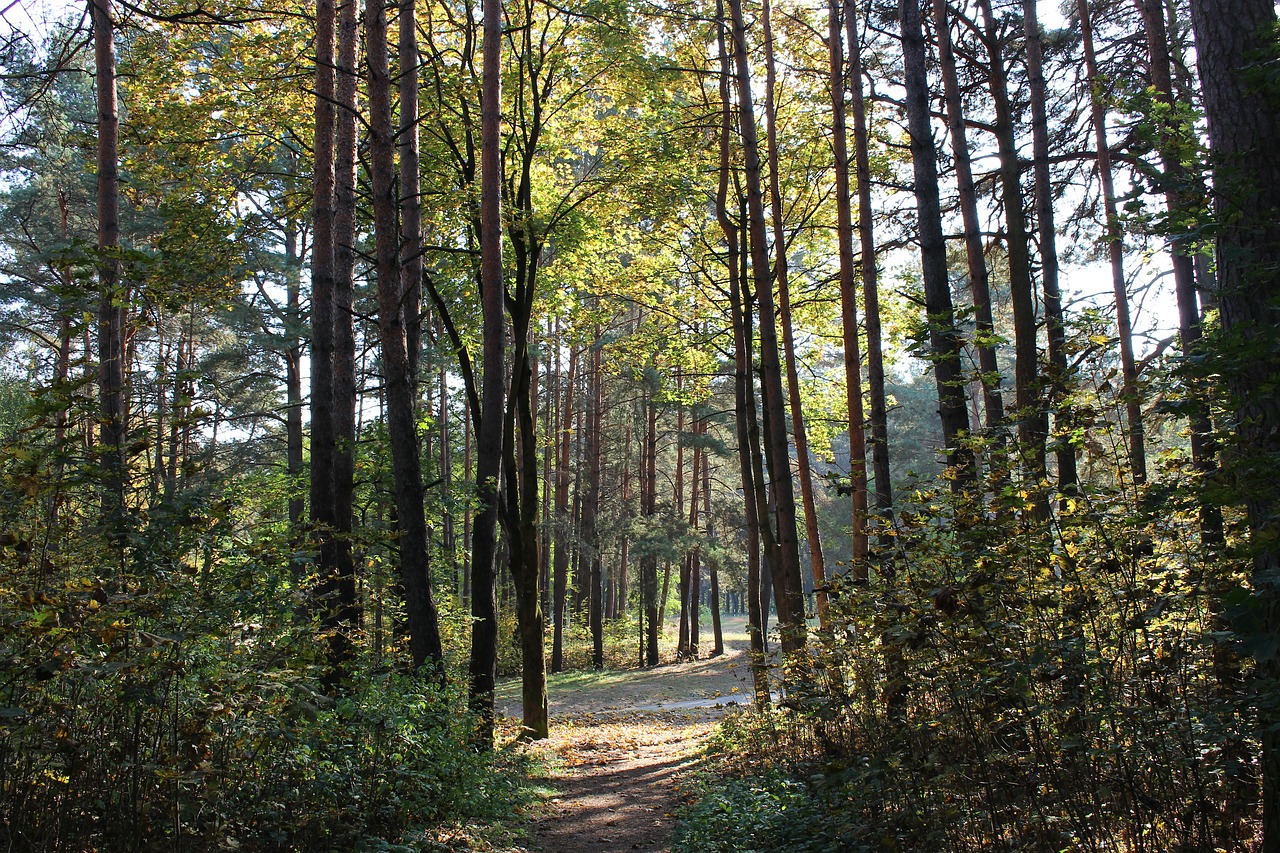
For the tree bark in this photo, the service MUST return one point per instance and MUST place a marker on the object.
(342, 613)
(944, 337)
(788, 590)
(1054, 321)
(870, 278)
(112, 291)
(803, 468)
(742, 385)
(410, 196)
(484, 632)
(1115, 251)
(648, 510)
(979, 281)
(323, 439)
(848, 310)
(1232, 37)
(590, 534)
(1182, 194)
(420, 608)
(564, 521)
(717, 648)
(1030, 419)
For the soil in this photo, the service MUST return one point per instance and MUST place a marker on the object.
(623, 743)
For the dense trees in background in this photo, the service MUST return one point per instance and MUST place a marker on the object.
(569, 329)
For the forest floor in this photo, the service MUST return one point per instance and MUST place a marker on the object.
(622, 744)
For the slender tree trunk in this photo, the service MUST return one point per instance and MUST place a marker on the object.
(112, 290)
(590, 535)
(564, 520)
(420, 608)
(789, 593)
(410, 197)
(342, 615)
(295, 463)
(682, 643)
(1030, 418)
(1055, 322)
(625, 548)
(648, 509)
(979, 284)
(1180, 199)
(1115, 251)
(717, 648)
(695, 564)
(484, 632)
(768, 539)
(788, 339)
(870, 278)
(550, 454)
(848, 308)
(447, 534)
(466, 511)
(520, 473)
(742, 385)
(322, 308)
(944, 337)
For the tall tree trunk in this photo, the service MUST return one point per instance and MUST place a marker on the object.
(648, 510)
(1180, 199)
(410, 197)
(742, 385)
(625, 548)
(717, 648)
(682, 643)
(420, 608)
(550, 449)
(1115, 251)
(1030, 418)
(768, 539)
(944, 337)
(322, 307)
(870, 278)
(694, 594)
(979, 284)
(484, 631)
(1054, 321)
(848, 309)
(112, 290)
(520, 473)
(789, 344)
(1232, 37)
(342, 615)
(294, 460)
(788, 590)
(564, 520)
(591, 509)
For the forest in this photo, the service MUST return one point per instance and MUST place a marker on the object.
(376, 378)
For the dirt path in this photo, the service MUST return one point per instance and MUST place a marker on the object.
(622, 741)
